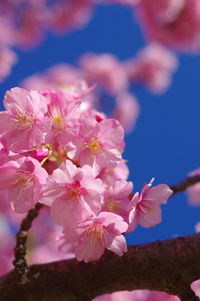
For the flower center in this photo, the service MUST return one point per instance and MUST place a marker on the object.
(145, 208)
(95, 232)
(24, 121)
(112, 206)
(74, 191)
(23, 180)
(57, 118)
(93, 145)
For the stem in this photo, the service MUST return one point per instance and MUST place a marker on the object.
(180, 187)
(20, 264)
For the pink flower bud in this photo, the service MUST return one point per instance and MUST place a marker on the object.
(41, 152)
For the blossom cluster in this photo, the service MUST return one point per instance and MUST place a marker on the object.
(57, 150)
(153, 67)
(175, 23)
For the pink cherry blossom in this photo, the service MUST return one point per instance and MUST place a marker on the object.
(58, 77)
(116, 198)
(110, 175)
(195, 286)
(65, 16)
(126, 111)
(24, 178)
(145, 207)
(92, 236)
(153, 66)
(64, 115)
(137, 295)
(24, 119)
(105, 70)
(174, 23)
(7, 59)
(73, 193)
(193, 193)
(100, 144)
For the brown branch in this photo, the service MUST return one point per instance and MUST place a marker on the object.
(20, 264)
(169, 266)
(189, 181)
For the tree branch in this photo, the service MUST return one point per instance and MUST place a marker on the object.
(169, 266)
(189, 181)
(20, 264)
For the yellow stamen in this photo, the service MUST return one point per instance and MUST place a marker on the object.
(93, 145)
(147, 208)
(57, 118)
(112, 205)
(23, 179)
(24, 121)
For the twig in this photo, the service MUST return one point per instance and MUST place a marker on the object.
(20, 264)
(189, 181)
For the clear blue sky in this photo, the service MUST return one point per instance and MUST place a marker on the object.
(166, 141)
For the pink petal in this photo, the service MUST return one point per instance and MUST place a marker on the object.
(118, 245)
(159, 194)
(150, 216)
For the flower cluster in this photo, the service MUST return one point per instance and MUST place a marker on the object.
(153, 67)
(175, 23)
(58, 151)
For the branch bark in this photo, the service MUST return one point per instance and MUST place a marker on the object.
(20, 264)
(169, 266)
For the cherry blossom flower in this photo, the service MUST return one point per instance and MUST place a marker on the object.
(126, 111)
(7, 59)
(137, 295)
(58, 77)
(193, 193)
(174, 23)
(92, 236)
(110, 175)
(195, 286)
(100, 144)
(105, 70)
(65, 16)
(24, 118)
(24, 178)
(153, 66)
(116, 198)
(145, 207)
(64, 114)
(73, 193)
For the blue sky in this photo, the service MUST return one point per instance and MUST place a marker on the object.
(166, 141)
